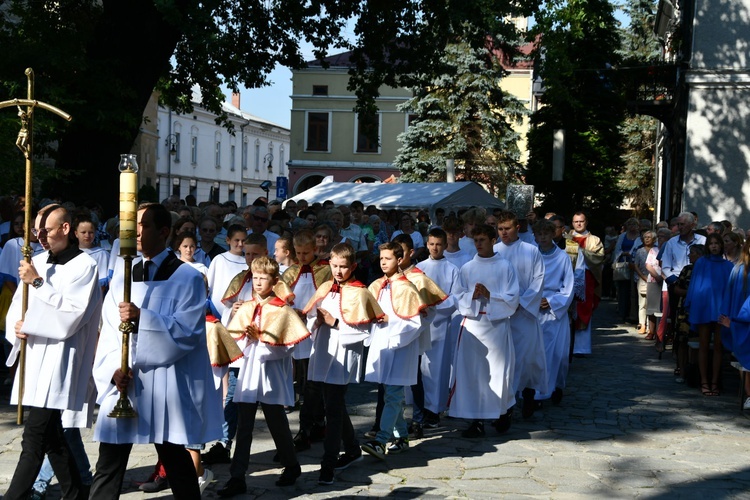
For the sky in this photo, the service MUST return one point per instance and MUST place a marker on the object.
(274, 102)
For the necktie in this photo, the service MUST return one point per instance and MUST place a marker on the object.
(147, 266)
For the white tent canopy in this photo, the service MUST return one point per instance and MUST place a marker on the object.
(403, 196)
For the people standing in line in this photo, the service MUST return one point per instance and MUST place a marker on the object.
(627, 243)
(641, 278)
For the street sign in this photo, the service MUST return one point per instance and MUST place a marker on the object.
(282, 186)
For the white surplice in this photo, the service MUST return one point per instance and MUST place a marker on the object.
(101, 257)
(458, 258)
(436, 362)
(172, 389)
(482, 383)
(223, 268)
(531, 366)
(61, 320)
(558, 290)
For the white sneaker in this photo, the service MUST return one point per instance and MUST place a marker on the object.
(746, 406)
(205, 479)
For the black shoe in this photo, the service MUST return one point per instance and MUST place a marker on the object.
(159, 483)
(218, 454)
(417, 431)
(233, 487)
(475, 430)
(345, 460)
(317, 433)
(302, 441)
(326, 475)
(503, 423)
(557, 396)
(289, 475)
(527, 410)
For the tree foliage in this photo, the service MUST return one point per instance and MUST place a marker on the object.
(100, 60)
(577, 47)
(640, 47)
(462, 114)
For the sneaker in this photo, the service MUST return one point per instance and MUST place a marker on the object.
(374, 448)
(158, 484)
(746, 405)
(37, 494)
(345, 460)
(218, 454)
(205, 479)
(431, 422)
(326, 475)
(302, 441)
(417, 431)
(235, 486)
(399, 445)
(372, 433)
(289, 475)
(475, 430)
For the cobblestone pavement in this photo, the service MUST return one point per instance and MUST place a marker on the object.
(624, 429)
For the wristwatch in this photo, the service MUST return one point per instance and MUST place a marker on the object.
(38, 282)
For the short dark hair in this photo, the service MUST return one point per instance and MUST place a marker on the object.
(394, 246)
(436, 232)
(507, 216)
(404, 239)
(486, 230)
(162, 217)
(235, 228)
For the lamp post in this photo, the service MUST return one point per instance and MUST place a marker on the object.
(171, 144)
(268, 162)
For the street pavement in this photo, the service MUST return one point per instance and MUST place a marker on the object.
(624, 429)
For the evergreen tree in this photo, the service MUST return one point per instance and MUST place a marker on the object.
(462, 114)
(640, 47)
(577, 44)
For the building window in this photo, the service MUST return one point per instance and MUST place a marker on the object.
(257, 155)
(231, 157)
(176, 147)
(217, 154)
(244, 155)
(368, 133)
(320, 89)
(318, 131)
(194, 150)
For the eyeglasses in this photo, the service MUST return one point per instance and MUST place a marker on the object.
(44, 230)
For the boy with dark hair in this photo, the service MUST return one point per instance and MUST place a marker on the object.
(394, 349)
(482, 381)
(339, 315)
(454, 231)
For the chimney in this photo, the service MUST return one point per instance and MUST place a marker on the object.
(236, 99)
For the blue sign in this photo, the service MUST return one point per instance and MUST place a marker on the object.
(282, 186)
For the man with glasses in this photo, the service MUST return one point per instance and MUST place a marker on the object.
(208, 228)
(559, 237)
(60, 325)
(256, 219)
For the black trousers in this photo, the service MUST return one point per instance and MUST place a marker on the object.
(43, 433)
(113, 462)
(339, 429)
(312, 411)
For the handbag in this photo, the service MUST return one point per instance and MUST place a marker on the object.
(621, 271)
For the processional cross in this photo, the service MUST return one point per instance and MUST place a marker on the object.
(25, 142)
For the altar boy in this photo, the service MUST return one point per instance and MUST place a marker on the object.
(339, 316)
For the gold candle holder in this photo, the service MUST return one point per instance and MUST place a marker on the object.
(128, 213)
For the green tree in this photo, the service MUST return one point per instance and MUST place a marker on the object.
(100, 61)
(463, 114)
(577, 44)
(640, 48)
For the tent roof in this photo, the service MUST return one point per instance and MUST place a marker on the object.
(403, 196)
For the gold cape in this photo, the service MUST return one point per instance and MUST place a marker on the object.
(429, 291)
(222, 348)
(279, 324)
(357, 305)
(321, 272)
(281, 289)
(405, 297)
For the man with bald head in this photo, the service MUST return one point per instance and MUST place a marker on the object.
(60, 327)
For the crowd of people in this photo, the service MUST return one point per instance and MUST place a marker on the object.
(284, 305)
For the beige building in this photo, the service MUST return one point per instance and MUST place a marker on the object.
(328, 139)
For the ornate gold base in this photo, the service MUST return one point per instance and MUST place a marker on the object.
(123, 409)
